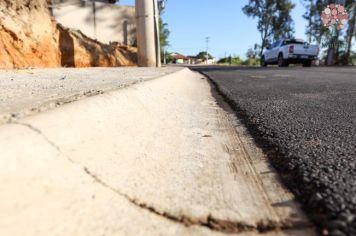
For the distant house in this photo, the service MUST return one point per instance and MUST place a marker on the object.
(102, 20)
(194, 60)
(210, 61)
(178, 58)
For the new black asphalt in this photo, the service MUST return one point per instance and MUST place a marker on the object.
(305, 120)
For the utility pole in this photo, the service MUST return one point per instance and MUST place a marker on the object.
(157, 39)
(94, 18)
(147, 16)
(164, 57)
(207, 39)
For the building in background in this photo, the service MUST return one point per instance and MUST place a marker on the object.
(178, 58)
(193, 60)
(102, 20)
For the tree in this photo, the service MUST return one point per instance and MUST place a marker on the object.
(203, 55)
(315, 29)
(232, 60)
(163, 28)
(283, 25)
(274, 19)
(163, 33)
(351, 6)
(318, 33)
(162, 5)
(253, 53)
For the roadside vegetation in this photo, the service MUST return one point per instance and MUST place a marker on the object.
(275, 22)
(164, 31)
(273, 19)
(203, 55)
(341, 54)
(252, 59)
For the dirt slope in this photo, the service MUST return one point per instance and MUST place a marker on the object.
(77, 50)
(29, 38)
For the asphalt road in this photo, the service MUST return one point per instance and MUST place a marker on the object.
(305, 120)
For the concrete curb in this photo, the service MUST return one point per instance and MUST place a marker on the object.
(156, 158)
(45, 89)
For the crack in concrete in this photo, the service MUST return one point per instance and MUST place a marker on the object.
(222, 226)
(39, 132)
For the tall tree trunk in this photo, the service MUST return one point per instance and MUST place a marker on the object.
(330, 57)
(262, 46)
(264, 38)
(337, 49)
(333, 49)
(350, 35)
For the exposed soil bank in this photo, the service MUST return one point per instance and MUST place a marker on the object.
(29, 38)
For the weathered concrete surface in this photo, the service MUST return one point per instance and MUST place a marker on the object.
(157, 158)
(27, 92)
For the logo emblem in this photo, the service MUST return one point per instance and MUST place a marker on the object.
(334, 17)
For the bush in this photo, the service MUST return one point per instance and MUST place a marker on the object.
(237, 61)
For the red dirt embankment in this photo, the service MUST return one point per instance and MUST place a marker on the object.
(29, 38)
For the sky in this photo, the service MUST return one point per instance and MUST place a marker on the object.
(230, 31)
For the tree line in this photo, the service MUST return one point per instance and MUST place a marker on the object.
(274, 21)
(164, 32)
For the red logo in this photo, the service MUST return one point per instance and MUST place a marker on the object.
(334, 15)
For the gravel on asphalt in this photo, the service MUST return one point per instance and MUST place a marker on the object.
(305, 120)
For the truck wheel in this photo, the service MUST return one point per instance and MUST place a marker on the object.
(281, 61)
(307, 64)
(263, 62)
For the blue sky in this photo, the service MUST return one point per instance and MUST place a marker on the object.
(230, 31)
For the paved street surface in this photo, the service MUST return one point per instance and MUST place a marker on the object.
(305, 119)
(27, 92)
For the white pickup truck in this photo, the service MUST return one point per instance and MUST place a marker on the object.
(290, 51)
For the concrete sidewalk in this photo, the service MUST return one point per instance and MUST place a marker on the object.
(164, 157)
(28, 92)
